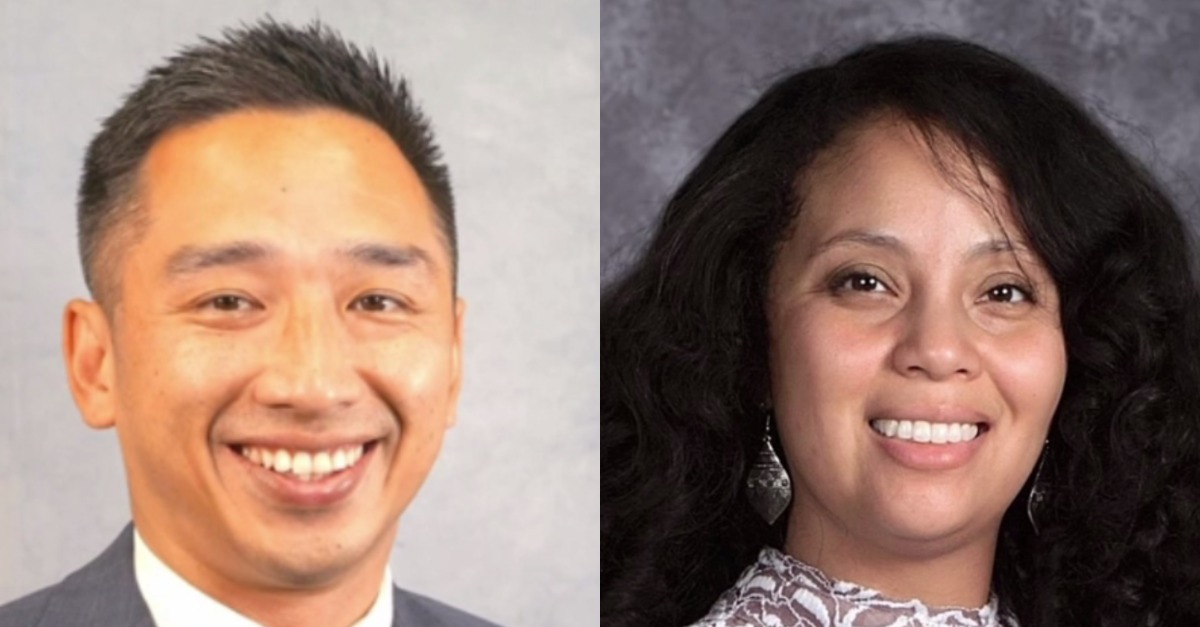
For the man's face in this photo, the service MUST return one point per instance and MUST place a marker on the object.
(291, 297)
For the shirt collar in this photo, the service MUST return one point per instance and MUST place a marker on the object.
(174, 602)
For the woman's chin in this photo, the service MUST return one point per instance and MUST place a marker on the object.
(932, 531)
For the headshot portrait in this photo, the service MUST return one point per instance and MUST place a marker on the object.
(298, 314)
(899, 316)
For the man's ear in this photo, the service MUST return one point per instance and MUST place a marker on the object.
(87, 349)
(460, 310)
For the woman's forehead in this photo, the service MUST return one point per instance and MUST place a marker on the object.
(892, 170)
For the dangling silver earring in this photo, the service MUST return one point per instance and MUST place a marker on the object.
(1037, 494)
(768, 486)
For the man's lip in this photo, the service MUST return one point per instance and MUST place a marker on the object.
(303, 443)
(290, 490)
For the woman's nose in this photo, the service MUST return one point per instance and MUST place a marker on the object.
(937, 342)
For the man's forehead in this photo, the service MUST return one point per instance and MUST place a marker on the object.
(251, 148)
(318, 175)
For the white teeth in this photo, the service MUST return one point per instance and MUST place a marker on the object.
(304, 465)
(922, 431)
(283, 461)
(301, 464)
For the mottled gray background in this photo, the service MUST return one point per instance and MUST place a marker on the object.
(675, 74)
(507, 525)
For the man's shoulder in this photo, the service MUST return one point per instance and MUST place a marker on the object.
(415, 609)
(102, 592)
(27, 610)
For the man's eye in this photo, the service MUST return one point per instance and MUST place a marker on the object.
(228, 302)
(378, 302)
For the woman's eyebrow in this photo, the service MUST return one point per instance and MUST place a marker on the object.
(875, 239)
(999, 245)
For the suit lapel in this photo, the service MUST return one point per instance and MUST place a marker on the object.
(105, 592)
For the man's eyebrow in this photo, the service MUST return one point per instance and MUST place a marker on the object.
(389, 256)
(193, 259)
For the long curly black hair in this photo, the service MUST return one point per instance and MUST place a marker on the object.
(684, 346)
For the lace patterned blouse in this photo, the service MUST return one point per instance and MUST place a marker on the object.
(780, 591)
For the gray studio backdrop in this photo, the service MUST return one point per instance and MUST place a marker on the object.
(675, 74)
(507, 525)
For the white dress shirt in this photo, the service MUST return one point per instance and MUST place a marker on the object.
(174, 602)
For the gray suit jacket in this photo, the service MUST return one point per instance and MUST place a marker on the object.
(105, 592)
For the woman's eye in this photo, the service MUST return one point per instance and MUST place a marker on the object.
(378, 302)
(859, 282)
(1007, 293)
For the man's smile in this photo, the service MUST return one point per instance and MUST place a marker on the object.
(305, 478)
(304, 465)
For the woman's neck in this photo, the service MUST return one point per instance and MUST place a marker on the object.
(950, 572)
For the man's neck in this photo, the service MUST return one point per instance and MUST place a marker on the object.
(342, 603)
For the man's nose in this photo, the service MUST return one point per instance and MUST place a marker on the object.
(937, 342)
(310, 369)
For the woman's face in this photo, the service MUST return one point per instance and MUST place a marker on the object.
(916, 353)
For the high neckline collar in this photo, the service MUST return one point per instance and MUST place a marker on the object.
(779, 589)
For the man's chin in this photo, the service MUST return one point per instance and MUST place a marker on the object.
(295, 561)
(310, 548)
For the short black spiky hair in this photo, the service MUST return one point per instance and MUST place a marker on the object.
(267, 65)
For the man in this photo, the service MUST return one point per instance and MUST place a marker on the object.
(267, 231)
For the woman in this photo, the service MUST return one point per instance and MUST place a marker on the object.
(922, 283)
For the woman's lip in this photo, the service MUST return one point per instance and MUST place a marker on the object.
(929, 456)
(290, 490)
(931, 413)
